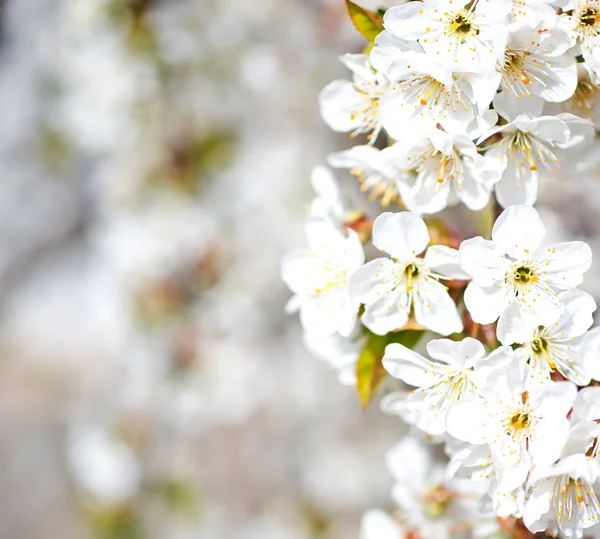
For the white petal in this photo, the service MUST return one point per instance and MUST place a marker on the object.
(445, 261)
(565, 263)
(435, 309)
(465, 420)
(456, 353)
(402, 235)
(414, 369)
(520, 231)
(486, 304)
(407, 21)
(483, 260)
(577, 317)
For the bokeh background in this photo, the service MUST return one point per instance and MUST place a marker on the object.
(155, 159)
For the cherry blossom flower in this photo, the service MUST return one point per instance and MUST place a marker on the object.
(521, 423)
(446, 169)
(470, 36)
(526, 144)
(353, 107)
(394, 288)
(556, 346)
(514, 268)
(318, 276)
(375, 169)
(441, 381)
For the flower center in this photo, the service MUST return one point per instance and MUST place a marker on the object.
(437, 501)
(524, 275)
(520, 421)
(410, 272)
(539, 345)
(461, 25)
(588, 17)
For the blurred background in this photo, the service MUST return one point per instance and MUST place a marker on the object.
(155, 159)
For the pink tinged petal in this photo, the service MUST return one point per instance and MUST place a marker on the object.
(519, 230)
(402, 235)
(445, 262)
(564, 264)
(414, 369)
(466, 420)
(459, 354)
(408, 21)
(486, 304)
(435, 309)
(483, 260)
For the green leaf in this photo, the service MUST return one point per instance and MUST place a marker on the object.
(368, 23)
(369, 369)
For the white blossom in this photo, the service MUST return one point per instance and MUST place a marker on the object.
(469, 36)
(514, 267)
(318, 276)
(353, 107)
(441, 381)
(394, 288)
(521, 423)
(555, 346)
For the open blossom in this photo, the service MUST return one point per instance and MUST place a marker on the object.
(521, 423)
(353, 107)
(393, 288)
(375, 169)
(581, 21)
(563, 498)
(425, 93)
(526, 144)
(318, 276)
(535, 69)
(446, 168)
(431, 504)
(469, 36)
(514, 268)
(441, 381)
(555, 346)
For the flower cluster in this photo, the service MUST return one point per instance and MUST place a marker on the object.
(474, 102)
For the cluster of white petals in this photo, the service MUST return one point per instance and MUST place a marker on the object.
(476, 103)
